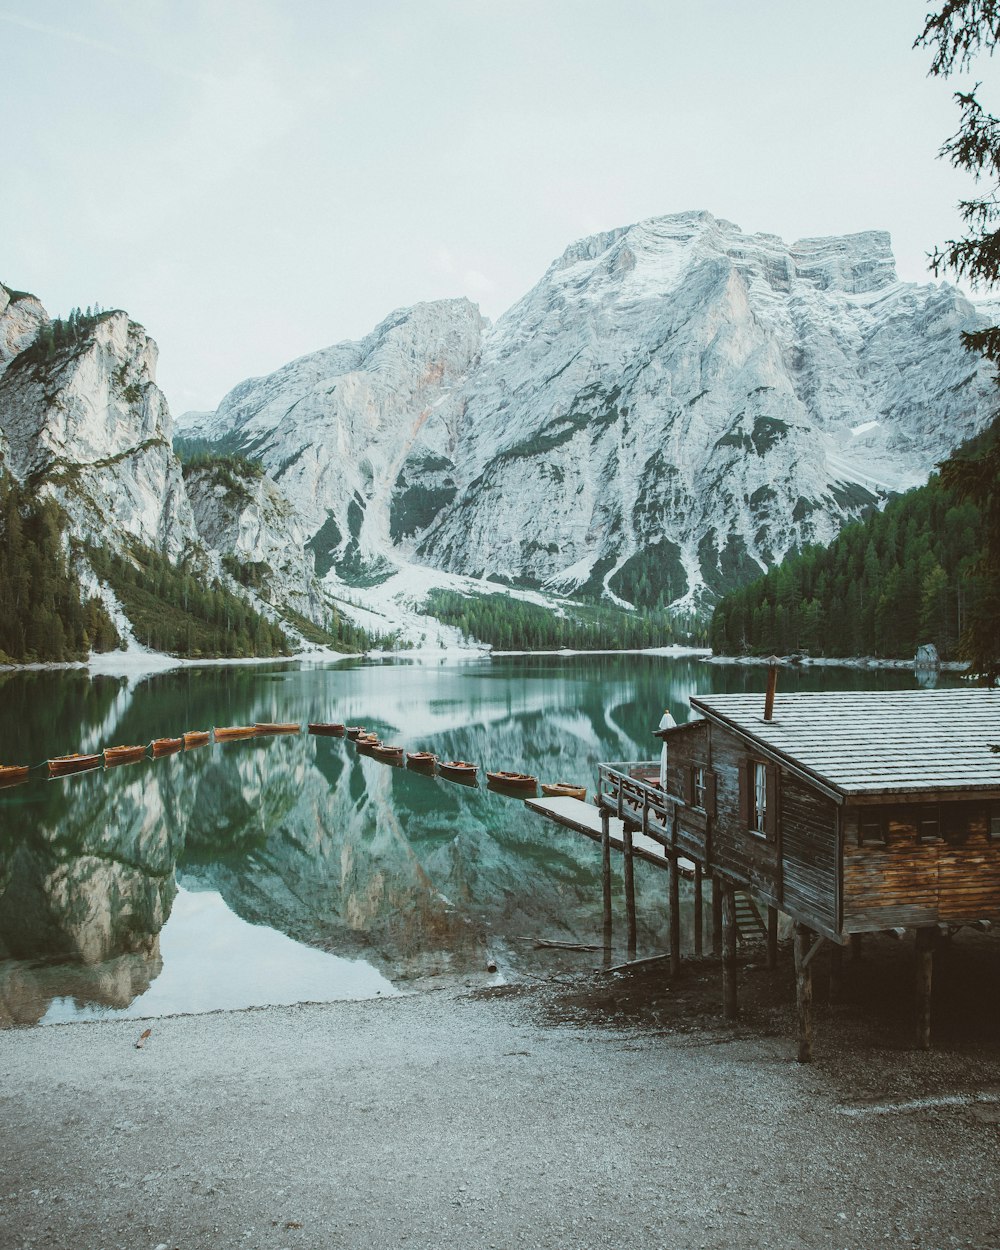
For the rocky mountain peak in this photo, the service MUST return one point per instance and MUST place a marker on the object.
(21, 315)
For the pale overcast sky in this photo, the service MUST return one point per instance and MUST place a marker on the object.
(254, 179)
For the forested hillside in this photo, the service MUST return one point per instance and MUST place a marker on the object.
(172, 608)
(511, 624)
(902, 577)
(43, 616)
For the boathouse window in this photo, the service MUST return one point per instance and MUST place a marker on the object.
(758, 798)
(994, 822)
(698, 785)
(871, 829)
(699, 788)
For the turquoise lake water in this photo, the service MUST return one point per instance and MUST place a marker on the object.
(294, 868)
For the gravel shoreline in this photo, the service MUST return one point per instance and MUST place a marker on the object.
(537, 1116)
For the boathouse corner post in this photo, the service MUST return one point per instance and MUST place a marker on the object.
(629, 874)
(716, 916)
(699, 905)
(606, 873)
(730, 1005)
(803, 990)
(925, 940)
(674, 904)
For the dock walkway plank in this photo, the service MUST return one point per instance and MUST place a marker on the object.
(586, 818)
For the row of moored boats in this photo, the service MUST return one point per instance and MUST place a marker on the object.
(366, 741)
(454, 770)
(78, 761)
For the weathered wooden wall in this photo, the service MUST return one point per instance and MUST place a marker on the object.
(809, 853)
(909, 883)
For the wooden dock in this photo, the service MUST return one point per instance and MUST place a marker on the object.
(585, 818)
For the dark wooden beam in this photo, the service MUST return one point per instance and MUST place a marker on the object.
(813, 951)
(716, 917)
(923, 976)
(803, 990)
(699, 911)
(675, 917)
(730, 1006)
(606, 872)
(629, 887)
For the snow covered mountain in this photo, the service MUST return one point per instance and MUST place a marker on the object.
(669, 410)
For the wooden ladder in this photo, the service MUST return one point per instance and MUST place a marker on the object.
(749, 923)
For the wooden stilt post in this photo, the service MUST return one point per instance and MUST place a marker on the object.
(699, 908)
(629, 886)
(606, 872)
(836, 989)
(716, 916)
(772, 937)
(730, 1007)
(924, 971)
(675, 918)
(803, 992)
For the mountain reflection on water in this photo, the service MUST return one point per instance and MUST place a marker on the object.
(406, 876)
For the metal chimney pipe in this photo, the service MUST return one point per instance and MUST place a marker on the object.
(772, 682)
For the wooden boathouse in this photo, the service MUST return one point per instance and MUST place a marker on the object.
(852, 813)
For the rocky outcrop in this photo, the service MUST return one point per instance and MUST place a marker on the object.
(89, 426)
(21, 315)
(82, 420)
(241, 514)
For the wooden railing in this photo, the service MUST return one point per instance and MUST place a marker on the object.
(625, 790)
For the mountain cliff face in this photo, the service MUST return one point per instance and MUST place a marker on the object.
(360, 436)
(244, 516)
(82, 420)
(90, 426)
(668, 411)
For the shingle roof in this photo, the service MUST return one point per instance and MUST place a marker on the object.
(876, 741)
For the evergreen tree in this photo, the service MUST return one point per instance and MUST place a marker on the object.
(958, 32)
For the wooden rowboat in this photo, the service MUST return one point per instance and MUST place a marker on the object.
(421, 759)
(327, 730)
(512, 781)
(11, 774)
(391, 755)
(165, 746)
(123, 755)
(76, 763)
(195, 738)
(367, 742)
(565, 790)
(235, 731)
(354, 731)
(277, 727)
(458, 770)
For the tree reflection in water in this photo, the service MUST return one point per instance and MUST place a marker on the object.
(302, 834)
